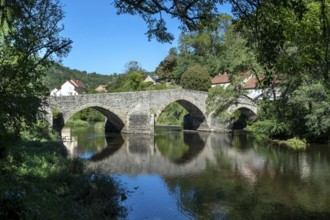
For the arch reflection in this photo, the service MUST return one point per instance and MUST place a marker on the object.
(180, 147)
(114, 143)
(83, 142)
(176, 154)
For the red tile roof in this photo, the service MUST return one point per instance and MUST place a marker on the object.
(221, 78)
(252, 83)
(276, 80)
(77, 83)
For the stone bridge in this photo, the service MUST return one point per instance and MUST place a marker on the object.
(137, 112)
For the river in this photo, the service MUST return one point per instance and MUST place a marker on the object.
(192, 175)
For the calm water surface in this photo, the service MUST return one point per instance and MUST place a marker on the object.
(188, 175)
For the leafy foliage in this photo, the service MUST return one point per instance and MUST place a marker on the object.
(287, 40)
(196, 78)
(39, 181)
(30, 41)
(134, 80)
(217, 47)
(235, 57)
(193, 14)
(314, 102)
(219, 99)
(172, 115)
(294, 144)
(166, 67)
(292, 41)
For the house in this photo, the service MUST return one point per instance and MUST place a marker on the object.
(248, 81)
(221, 80)
(253, 87)
(102, 87)
(70, 87)
(153, 79)
(256, 91)
(55, 92)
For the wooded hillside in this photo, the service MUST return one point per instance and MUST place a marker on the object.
(57, 75)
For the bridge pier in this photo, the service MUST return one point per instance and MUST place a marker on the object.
(140, 122)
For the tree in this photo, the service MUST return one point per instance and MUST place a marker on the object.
(132, 66)
(6, 12)
(27, 48)
(290, 40)
(235, 57)
(166, 67)
(196, 78)
(192, 14)
(134, 80)
(219, 48)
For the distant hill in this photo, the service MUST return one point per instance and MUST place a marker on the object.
(57, 75)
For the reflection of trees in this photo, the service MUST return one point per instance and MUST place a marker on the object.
(286, 185)
(171, 146)
(196, 145)
(180, 147)
(89, 139)
(91, 142)
(114, 142)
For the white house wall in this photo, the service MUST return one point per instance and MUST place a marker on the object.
(224, 85)
(67, 89)
(55, 92)
(254, 93)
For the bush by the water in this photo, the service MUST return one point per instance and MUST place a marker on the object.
(295, 144)
(38, 181)
(77, 123)
(292, 143)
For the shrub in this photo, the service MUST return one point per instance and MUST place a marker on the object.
(295, 144)
(196, 78)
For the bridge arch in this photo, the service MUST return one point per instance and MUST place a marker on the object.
(195, 120)
(248, 110)
(114, 121)
(244, 102)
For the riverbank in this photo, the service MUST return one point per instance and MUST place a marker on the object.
(39, 181)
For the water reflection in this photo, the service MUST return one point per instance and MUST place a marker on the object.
(180, 147)
(211, 176)
(184, 154)
(83, 142)
(258, 182)
(114, 143)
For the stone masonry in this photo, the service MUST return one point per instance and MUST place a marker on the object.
(136, 112)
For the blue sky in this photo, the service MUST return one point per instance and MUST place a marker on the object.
(103, 42)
